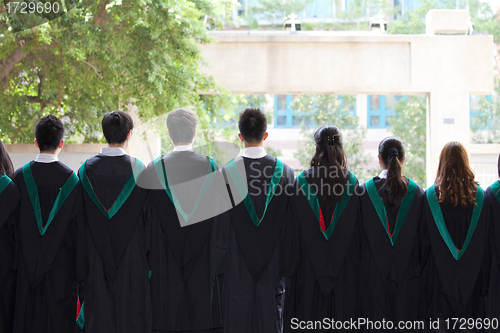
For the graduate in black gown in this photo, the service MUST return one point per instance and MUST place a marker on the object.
(9, 198)
(391, 206)
(115, 295)
(247, 242)
(455, 274)
(184, 296)
(50, 224)
(322, 240)
(493, 305)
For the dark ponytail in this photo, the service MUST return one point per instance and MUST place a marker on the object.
(6, 166)
(392, 152)
(330, 154)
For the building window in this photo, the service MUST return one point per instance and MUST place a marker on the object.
(242, 7)
(381, 109)
(478, 118)
(485, 173)
(285, 117)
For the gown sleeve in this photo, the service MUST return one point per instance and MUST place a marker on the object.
(291, 253)
(487, 256)
(426, 261)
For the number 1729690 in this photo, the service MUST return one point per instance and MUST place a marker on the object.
(471, 323)
(32, 7)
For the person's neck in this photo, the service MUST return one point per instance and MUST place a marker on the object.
(55, 152)
(254, 145)
(183, 144)
(118, 145)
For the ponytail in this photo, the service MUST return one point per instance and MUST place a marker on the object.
(392, 152)
(330, 154)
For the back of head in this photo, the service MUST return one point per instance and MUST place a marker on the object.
(455, 177)
(6, 166)
(115, 126)
(330, 155)
(252, 125)
(498, 166)
(49, 132)
(181, 126)
(392, 151)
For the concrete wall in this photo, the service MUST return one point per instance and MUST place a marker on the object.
(446, 68)
(349, 62)
(73, 155)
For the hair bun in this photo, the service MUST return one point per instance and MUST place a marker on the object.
(393, 152)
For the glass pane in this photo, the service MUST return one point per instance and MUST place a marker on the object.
(474, 102)
(374, 121)
(281, 102)
(391, 101)
(375, 102)
(297, 120)
(478, 168)
(281, 121)
(388, 121)
(490, 169)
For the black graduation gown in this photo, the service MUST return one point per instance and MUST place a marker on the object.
(184, 297)
(324, 272)
(390, 275)
(493, 305)
(48, 264)
(115, 294)
(248, 255)
(9, 199)
(455, 288)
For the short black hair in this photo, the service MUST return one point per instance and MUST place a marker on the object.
(49, 132)
(115, 126)
(252, 125)
(181, 126)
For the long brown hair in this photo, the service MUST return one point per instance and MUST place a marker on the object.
(330, 153)
(6, 166)
(392, 151)
(455, 177)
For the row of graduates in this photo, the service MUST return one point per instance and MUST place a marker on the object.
(123, 248)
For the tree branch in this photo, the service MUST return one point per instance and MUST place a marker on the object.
(59, 94)
(101, 15)
(6, 65)
(38, 99)
(95, 69)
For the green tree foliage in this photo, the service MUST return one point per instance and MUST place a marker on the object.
(276, 10)
(330, 109)
(102, 56)
(486, 125)
(409, 125)
(413, 22)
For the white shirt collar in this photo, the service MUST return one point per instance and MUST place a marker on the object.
(113, 151)
(383, 174)
(46, 158)
(254, 152)
(183, 148)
